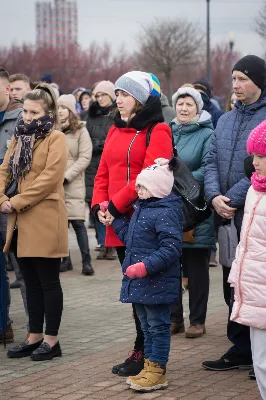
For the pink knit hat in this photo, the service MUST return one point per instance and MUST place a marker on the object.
(105, 87)
(257, 140)
(157, 178)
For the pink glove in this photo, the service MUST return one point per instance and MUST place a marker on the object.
(104, 206)
(136, 271)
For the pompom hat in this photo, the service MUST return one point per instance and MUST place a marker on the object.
(136, 83)
(158, 178)
(256, 142)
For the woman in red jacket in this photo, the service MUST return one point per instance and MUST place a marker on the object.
(124, 156)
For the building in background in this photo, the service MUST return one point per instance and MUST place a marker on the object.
(56, 24)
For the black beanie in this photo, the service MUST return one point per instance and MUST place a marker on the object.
(255, 69)
(204, 86)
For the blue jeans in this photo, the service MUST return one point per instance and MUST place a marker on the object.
(100, 232)
(155, 324)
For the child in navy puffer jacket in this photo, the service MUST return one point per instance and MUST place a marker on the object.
(151, 268)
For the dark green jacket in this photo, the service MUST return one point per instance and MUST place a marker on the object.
(192, 143)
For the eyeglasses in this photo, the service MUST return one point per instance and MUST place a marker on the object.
(98, 96)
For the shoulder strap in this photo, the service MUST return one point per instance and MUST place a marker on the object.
(148, 138)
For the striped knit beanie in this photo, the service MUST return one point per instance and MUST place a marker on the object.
(136, 83)
(156, 91)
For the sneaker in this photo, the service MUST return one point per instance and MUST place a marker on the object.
(195, 331)
(153, 379)
(228, 362)
(251, 374)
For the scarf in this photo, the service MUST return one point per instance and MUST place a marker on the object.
(258, 182)
(26, 136)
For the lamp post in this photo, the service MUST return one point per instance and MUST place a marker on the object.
(231, 47)
(208, 58)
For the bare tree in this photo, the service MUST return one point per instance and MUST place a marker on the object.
(260, 22)
(166, 44)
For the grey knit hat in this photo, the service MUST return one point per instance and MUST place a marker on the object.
(136, 83)
(190, 92)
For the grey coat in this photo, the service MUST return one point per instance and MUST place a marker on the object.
(7, 126)
(168, 112)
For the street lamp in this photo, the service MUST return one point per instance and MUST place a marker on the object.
(231, 47)
(208, 58)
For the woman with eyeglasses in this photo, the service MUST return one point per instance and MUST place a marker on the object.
(98, 124)
(231, 101)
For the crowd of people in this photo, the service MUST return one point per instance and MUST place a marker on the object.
(113, 148)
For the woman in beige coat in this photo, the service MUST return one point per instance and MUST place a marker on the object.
(79, 157)
(37, 217)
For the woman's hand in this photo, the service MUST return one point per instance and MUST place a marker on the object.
(109, 218)
(6, 207)
(101, 216)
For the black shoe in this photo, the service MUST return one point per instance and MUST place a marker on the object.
(116, 368)
(251, 374)
(87, 269)
(46, 352)
(15, 284)
(24, 349)
(227, 362)
(66, 264)
(134, 366)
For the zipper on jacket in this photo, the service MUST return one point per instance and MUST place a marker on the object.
(128, 156)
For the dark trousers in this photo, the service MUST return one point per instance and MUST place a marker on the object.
(195, 265)
(238, 334)
(82, 237)
(44, 293)
(139, 342)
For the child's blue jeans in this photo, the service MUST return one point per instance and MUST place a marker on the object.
(155, 324)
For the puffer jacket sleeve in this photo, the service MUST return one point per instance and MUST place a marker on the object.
(238, 193)
(120, 226)
(211, 175)
(170, 238)
(84, 156)
(160, 146)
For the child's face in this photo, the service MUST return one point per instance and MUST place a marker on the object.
(143, 193)
(259, 163)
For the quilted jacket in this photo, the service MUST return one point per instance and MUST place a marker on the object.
(248, 272)
(224, 169)
(154, 236)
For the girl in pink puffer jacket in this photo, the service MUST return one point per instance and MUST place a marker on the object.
(248, 273)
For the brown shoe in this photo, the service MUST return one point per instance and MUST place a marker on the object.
(102, 253)
(195, 331)
(111, 253)
(9, 336)
(177, 328)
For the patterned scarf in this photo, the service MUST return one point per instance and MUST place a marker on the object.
(26, 136)
(258, 182)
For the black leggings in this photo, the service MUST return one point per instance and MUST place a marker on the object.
(44, 293)
(139, 342)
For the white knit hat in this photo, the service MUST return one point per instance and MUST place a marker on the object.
(136, 83)
(190, 92)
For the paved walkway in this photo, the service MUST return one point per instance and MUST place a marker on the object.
(97, 331)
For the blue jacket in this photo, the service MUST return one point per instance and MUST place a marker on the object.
(153, 236)
(192, 143)
(211, 109)
(224, 170)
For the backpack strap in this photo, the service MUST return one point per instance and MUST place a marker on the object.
(148, 138)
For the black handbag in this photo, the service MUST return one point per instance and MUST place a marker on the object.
(195, 208)
(12, 188)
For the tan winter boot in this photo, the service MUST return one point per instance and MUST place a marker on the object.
(131, 379)
(154, 379)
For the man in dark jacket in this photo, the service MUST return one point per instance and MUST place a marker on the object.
(205, 90)
(226, 185)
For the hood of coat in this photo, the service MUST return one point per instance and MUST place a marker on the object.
(151, 113)
(96, 111)
(164, 101)
(170, 201)
(204, 121)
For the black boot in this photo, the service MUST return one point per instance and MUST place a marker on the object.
(66, 264)
(86, 264)
(132, 365)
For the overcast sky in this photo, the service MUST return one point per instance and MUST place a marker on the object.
(119, 21)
